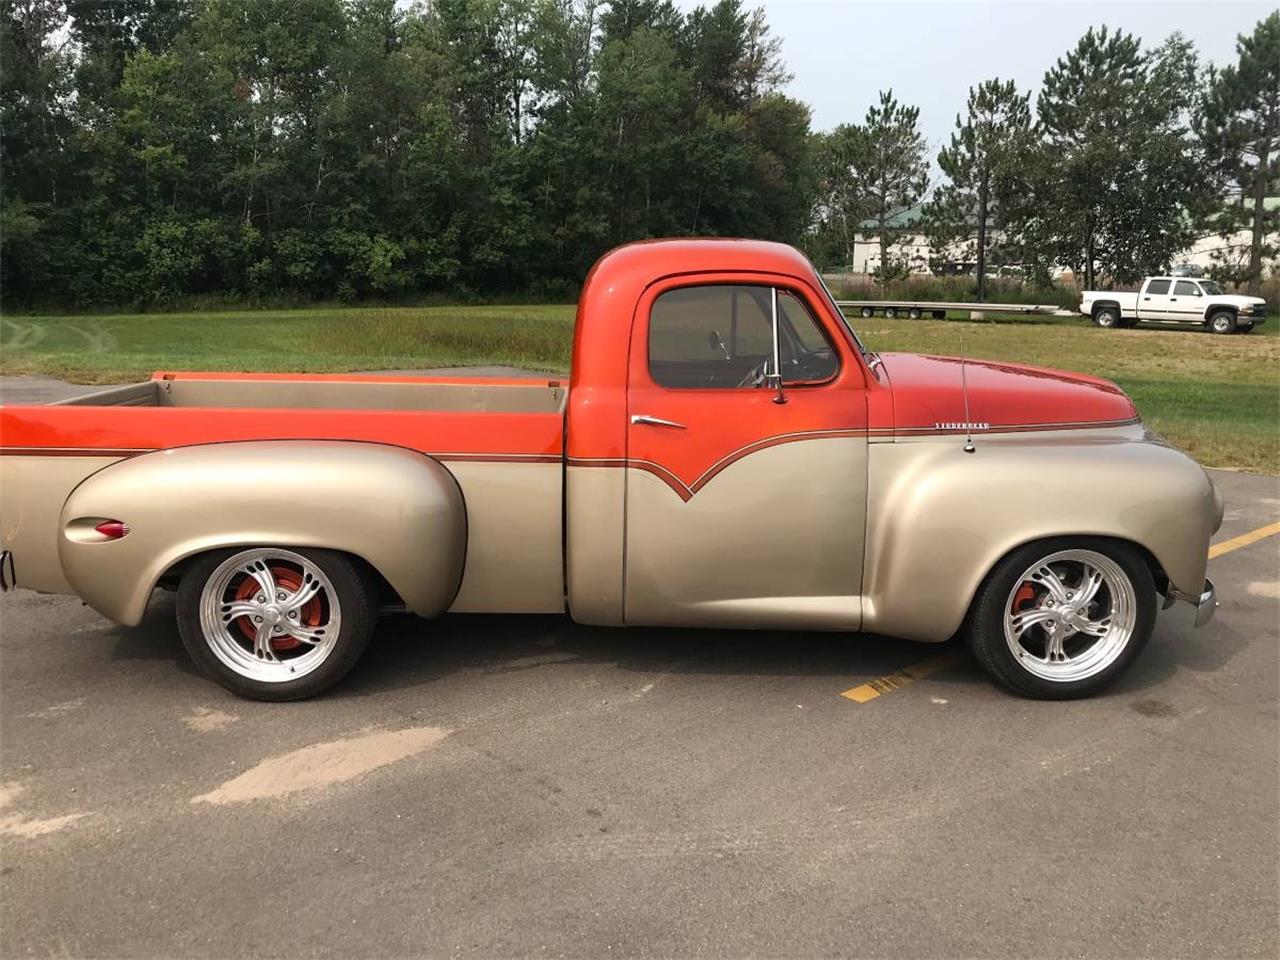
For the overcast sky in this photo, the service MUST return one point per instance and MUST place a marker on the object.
(843, 52)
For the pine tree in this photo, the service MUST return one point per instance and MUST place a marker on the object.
(984, 163)
(1120, 175)
(1240, 130)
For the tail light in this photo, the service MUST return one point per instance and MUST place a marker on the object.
(112, 529)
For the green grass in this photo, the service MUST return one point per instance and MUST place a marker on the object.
(1218, 397)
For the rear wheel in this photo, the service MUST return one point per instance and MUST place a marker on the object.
(915, 314)
(1063, 618)
(270, 623)
(1107, 317)
(1222, 322)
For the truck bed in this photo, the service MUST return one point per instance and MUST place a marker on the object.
(502, 438)
(335, 392)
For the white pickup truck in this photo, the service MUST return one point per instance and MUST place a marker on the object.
(1175, 300)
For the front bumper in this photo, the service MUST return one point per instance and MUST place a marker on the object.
(1205, 602)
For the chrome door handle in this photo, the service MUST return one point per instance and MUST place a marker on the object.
(655, 421)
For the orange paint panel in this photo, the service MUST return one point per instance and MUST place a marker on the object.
(137, 429)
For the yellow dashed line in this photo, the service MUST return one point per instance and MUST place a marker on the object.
(903, 678)
(1244, 540)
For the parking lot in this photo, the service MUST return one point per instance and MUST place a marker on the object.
(501, 786)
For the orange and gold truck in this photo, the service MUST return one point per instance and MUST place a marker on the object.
(726, 453)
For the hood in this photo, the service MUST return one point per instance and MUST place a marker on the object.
(927, 396)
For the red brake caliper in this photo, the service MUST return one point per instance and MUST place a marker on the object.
(1025, 596)
(289, 581)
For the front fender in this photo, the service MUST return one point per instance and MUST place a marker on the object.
(939, 519)
(400, 511)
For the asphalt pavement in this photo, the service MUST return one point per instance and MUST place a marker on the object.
(502, 786)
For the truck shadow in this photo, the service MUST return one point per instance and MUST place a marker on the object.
(408, 652)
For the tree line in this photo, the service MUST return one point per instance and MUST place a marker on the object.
(155, 150)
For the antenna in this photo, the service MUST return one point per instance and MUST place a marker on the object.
(964, 391)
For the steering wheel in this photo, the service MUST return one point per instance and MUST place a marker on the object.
(755, 376)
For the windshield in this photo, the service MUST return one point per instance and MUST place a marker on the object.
(1211, 288)
(831, 301)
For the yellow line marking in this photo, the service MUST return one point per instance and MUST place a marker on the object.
(878, 687)
(1244, 540)
(903, 678)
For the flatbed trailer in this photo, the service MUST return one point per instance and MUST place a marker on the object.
(916, 309)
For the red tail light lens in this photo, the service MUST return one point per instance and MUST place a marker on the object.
(112, 529)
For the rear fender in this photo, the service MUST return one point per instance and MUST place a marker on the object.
(398, 510)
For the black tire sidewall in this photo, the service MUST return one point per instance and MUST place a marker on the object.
(358, 620)
(986, 622)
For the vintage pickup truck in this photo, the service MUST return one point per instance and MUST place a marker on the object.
(727, 453)
(1175, 300)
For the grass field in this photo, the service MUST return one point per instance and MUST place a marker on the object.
(1218, 397)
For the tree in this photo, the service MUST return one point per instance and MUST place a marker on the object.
(872, 173)
(1240, 129)
(1120, 175)
(984, 162)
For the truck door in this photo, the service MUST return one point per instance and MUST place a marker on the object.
(746, 485)
(1153, 301)
(1186, 304)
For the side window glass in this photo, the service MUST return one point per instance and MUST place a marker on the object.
(1158, 287)
(807, 355)
(1185, 288)
(721, 336)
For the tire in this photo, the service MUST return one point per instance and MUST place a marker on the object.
(1015, 610)
(1107, 317)
(867, 312)
(915, 314)
(1221, 322)
(890, 312)
(318, 637)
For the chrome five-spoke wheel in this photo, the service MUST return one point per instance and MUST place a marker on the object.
(1065, 617)
(270, 615)
(1070, 615)
(275, 623)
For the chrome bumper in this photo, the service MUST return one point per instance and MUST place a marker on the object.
(1205, 602)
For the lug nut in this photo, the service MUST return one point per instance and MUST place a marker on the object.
(257, 619)
(260, 599)
(280, 596)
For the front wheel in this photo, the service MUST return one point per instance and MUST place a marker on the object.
(1062, 619)
(1222, 322)
(269, 623)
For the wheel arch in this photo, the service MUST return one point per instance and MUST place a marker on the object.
(1144, 553)
(1099, 304)
(1213, 308)
(397, 511)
